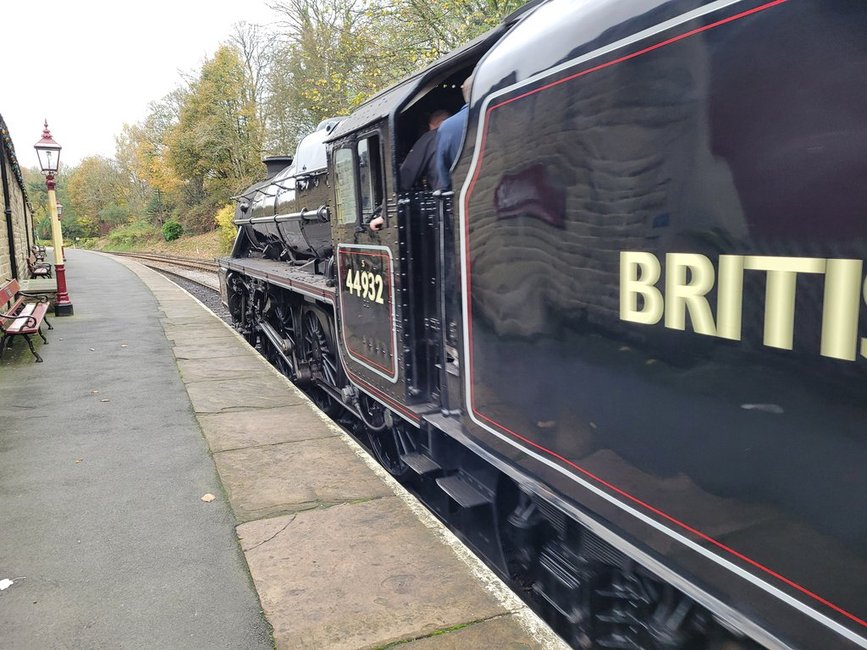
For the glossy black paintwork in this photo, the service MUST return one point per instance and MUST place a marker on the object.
(728, 461)
(746, 138)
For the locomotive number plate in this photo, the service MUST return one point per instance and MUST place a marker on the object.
(367, 310)
(365, 284)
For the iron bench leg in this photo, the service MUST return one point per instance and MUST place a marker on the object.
(32, 349)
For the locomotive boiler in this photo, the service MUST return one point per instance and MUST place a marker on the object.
(625, 357)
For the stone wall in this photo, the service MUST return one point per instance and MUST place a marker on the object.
(13, 198)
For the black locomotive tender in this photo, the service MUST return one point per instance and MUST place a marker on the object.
(626, 358)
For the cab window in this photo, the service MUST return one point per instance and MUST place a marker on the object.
(346, 203)
(369, 175)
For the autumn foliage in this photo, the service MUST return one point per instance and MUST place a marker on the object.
(257, 95)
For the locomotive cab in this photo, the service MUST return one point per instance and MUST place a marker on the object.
(392, 283)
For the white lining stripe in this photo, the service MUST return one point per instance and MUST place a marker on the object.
(746, 575)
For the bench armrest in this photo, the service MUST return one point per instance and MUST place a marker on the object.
(40, 297)
(31, 320)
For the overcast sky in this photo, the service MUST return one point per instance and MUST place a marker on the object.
(90, 65)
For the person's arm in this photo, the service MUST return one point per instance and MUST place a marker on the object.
(410, 169)
(442, 165)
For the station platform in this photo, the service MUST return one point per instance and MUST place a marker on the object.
(146, 403)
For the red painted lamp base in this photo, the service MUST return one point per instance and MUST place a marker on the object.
(63, 307)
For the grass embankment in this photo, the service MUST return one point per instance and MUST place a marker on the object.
(206, 247)
(140, 236)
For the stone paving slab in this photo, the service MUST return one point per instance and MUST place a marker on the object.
(184, 319)
(206, 350)
(237, 368)
(358, 576)
(278, 479)
(262, 391)
(238, 430)
(502, 633)
(185, 334)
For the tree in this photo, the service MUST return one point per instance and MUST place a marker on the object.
(142, 152)
(215, 145)
(334, 54)
(427, 29)
(114, 215)
(127, 156)
(256, 48)
(94, 185)
(330, 59)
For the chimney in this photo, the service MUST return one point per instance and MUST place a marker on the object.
(275, 164)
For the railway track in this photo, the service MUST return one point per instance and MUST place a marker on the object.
(197, 271)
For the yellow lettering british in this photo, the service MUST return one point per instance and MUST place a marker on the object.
(690, 277)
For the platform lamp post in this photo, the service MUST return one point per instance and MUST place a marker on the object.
(60, 219)
(49, 160)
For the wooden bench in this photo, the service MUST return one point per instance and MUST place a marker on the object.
(37, 265)
(21, 317)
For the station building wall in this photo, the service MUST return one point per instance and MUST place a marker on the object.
(16, 219)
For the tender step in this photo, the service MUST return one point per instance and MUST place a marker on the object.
(465, 494)
(420, 464)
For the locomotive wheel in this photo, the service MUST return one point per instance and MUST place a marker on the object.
(390, 444)
(240, 295)
(317, 350)
(252, 302)
(324, 402)
(279, 315)
(236, 298)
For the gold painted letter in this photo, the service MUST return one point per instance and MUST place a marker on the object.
(864, 340)
(638, 273)
(842, 303)
(780, 293)
(684, 293)
(730, 297)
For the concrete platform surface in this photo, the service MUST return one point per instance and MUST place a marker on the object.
(339, 554)
(102, 469)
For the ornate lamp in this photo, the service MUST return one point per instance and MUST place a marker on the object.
(48, 152)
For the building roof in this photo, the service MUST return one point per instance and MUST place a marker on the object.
(13, 160)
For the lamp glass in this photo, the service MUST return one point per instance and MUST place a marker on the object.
(49, 158)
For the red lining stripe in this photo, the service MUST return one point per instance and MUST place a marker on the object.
(687, 527)
(638, 53)
(659, 513)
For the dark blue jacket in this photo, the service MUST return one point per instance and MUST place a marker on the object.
(449, 137)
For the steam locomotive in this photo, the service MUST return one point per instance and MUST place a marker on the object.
(626, 357)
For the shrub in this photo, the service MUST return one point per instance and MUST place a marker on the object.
(227, 229)
(131, 236)
(172, 230)
(114, 214)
